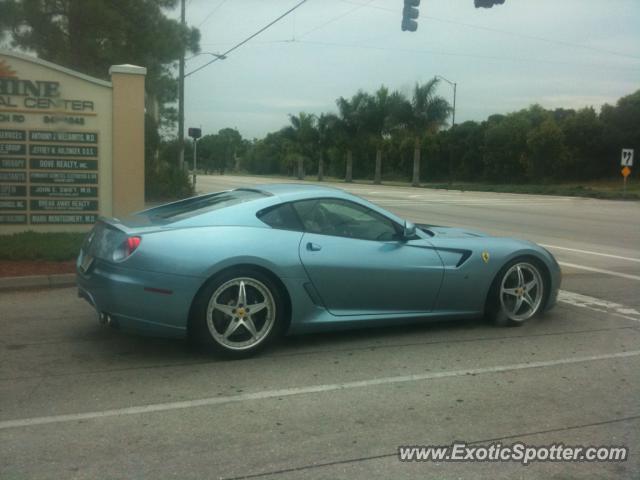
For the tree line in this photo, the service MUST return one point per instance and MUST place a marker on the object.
(387, 135)
(381, 135)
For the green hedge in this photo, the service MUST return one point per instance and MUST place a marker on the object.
(40, 246)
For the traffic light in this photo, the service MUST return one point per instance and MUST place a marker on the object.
(409, 15)
(487, 3)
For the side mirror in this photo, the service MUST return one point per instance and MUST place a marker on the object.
(409, 231)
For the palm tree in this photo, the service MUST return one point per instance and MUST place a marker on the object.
(325, 133)
(382, 113)
(302, 133)
(349, 126)
(427, 114)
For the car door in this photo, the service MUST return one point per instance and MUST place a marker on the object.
(358, 263)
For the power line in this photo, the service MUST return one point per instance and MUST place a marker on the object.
(450, 54)
(208, 16)
(238, 45)
(432, 52)
(336, 18)
(420, 51)
(504, 32)
(533, 37)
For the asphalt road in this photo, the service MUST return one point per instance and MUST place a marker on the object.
(81, 401)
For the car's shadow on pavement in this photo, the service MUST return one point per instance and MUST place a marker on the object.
(121, 346)
(429, 331)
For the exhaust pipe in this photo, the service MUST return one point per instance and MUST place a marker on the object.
(105, 319)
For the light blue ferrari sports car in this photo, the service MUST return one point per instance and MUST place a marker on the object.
(237, 269)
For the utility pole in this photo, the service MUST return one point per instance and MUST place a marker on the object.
(453, 120)
(181, 93)
(453, 124)
(455, 89)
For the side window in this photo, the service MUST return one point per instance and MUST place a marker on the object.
(306, 212)
(281, 216)
(345, 219)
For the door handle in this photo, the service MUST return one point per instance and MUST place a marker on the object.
(313, 247)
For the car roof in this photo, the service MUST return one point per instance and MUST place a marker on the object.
(289, 192)
(245, 213)
(298, 190)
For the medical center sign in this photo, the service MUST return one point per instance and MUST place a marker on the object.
(63, 158)
(34, 95)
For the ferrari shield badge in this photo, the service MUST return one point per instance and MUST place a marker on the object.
(485, 256)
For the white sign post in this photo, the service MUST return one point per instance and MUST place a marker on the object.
(627, 162)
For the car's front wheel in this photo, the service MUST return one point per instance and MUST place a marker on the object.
(518, 293)
(239, 313)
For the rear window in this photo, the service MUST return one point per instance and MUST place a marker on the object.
(204, 204)
(282, 217)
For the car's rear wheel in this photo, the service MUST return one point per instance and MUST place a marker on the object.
(239, 313)
(518, 293)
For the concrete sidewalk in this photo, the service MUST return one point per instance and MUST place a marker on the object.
(37, 281)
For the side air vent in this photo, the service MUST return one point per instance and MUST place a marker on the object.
(313, 294)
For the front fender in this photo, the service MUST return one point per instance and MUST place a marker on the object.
(465, 286)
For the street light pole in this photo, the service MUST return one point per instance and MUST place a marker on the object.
(195, 133)
(181, 104)
(217, 55)
(453, 121)
(455, 90)
(181, 93)
(195, 162)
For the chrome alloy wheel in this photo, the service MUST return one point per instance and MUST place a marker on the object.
(521, 291)
(241, 313)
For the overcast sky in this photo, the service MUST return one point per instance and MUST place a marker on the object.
(559, 53)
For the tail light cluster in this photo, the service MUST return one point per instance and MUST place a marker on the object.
(126, 248)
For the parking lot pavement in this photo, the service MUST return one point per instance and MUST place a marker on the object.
(79, 400)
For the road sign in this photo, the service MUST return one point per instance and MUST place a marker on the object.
(626, 171)
(627, 157)
(195, 133)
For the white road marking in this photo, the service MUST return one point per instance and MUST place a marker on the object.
(589, 252)
(443, 198)
(599, 305)
(460, 203)
(600, 270)
(288, 392)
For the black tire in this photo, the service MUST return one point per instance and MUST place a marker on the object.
(494, 311)
(200, 326)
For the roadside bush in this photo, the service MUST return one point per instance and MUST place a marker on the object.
(40, 246)
(167, 182)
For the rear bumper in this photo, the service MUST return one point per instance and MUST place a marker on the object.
(145, 302)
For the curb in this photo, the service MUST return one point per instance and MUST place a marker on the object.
(37, 281)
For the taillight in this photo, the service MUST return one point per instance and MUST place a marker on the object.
(126, 248)
(132, 244)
